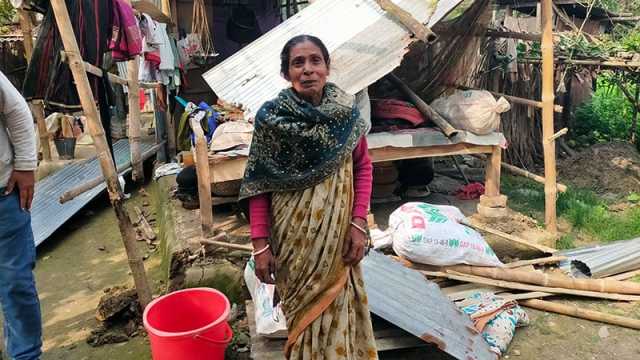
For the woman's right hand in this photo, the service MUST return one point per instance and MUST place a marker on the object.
(265, 262)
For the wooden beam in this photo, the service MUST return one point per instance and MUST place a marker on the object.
(396, 153)
(624, 18)
(76, 64)
(528, 287)
(96, 71)
(204, 178)
(514, 99)
(420, 31)
(492, 173)
(574, 311)
(423, 107)
(37, 108)
(90, 184)
(135, 128)
(560, 133)
(548, 96)
(513, 35)
(27, 33)
(478, 226)
(551, 280)
(529, 175)
(606, 63)
(539, 261)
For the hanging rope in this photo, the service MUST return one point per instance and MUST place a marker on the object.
(200, 26)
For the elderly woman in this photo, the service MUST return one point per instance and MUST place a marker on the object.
(308, 182)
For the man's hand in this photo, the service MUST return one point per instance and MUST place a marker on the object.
(265, 263)
(24, 181)
(354, 245)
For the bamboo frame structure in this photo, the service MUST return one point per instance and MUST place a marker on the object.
(76, 64)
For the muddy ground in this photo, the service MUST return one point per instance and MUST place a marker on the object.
(610, 170)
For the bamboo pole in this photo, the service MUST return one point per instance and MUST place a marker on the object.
(529, 175)
(90, 184)
(94, 70)
(481, 227)
(550, 280)
(577, 312)
(76, 64)
(204, 178)
(599, 63)
(515, 99)
(513, 35)
(134, 119)
(527, 287)
(550, 187)
(27, 33)
(423, 107)
(420, 31)
(37, 108)
(540, 261)
(625, 276)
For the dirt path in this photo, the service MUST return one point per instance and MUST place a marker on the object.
(73, 269)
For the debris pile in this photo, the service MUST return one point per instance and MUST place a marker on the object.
(120, 317)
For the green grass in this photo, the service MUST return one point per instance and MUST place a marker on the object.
(582, 208)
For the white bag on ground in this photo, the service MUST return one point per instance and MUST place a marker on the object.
(476, 111)
(270, 320)
(432, 234)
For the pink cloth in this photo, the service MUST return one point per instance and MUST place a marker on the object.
(260, 205)
(126, 39)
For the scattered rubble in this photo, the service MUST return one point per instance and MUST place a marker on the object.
(120, 317)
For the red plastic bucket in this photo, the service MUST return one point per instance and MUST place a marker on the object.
(188, 324)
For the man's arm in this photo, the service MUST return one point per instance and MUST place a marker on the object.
(19, 123)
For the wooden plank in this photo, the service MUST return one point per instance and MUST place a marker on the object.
(387, 339)
(27, 36)
(492, 177)
(396, 153)
(135, 129)
(204, 179)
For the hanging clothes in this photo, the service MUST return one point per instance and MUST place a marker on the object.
(49, 78)
(126, 38)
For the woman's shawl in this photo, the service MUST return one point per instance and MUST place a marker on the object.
(296, 145)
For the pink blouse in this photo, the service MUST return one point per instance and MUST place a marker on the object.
(260, 205)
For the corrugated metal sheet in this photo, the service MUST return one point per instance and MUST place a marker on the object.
(409, 301)
(47, 214)
(602, 260)
(364, 42)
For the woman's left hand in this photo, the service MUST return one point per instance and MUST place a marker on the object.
(354, 245)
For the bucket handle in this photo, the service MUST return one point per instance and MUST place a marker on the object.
(228, 336)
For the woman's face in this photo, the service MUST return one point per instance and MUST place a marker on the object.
(308, 71)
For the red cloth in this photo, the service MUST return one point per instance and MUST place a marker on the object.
(470, 192)
(260, 205)
(396, 109)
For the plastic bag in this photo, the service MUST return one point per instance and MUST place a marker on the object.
(189, 47)
(432, 234)
(476, 111)
(270, 320)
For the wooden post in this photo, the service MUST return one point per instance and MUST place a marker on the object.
(548, 97)
(492, 204)
(134, 119)
(94, 125)
(37, 108)
(204, 179)
(27, 35)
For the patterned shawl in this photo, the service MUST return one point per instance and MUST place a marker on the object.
(296, 145)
